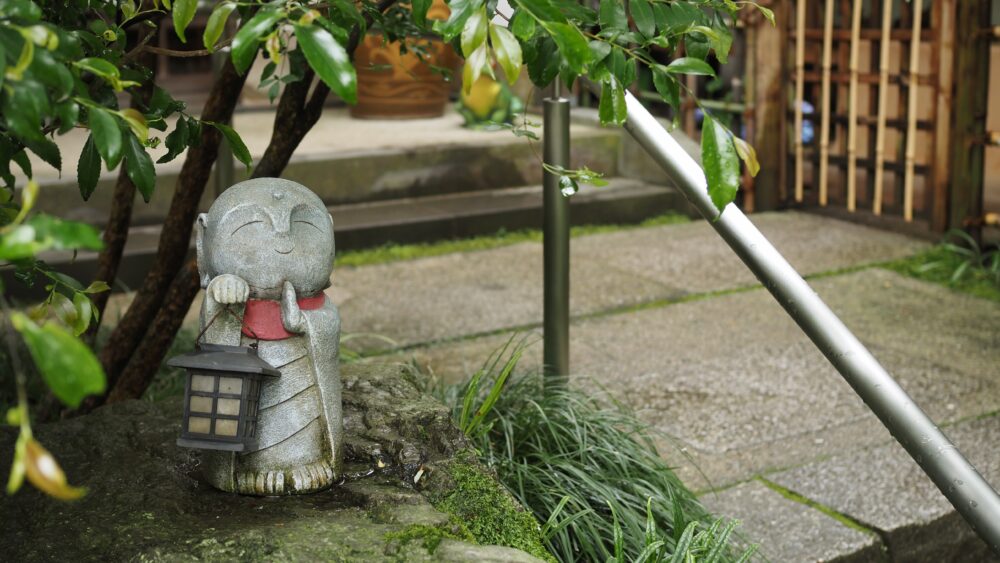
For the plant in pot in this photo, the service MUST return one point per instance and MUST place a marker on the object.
(403, 72)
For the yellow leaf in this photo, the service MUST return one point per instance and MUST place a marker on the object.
(45, 474)
(17, 468)
(747, 153)
(136, 122)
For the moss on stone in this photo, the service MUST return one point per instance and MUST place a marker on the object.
(432, 536)
(488, 511)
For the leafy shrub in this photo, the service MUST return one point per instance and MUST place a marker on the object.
(585, 466)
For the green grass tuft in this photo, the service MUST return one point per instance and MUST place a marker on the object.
(585, 466)
(962, 267)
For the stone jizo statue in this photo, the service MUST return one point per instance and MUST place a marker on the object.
(265, 253)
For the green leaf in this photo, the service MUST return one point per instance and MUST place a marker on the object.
(21, 9)
(46, 150)
(98, 66)
(139, 167)
(66, 364)
(97, 287)
(246, 41)
(667, 87)
(542, 57)
(52, 232)
(642, 15)
(329, 60)
(523, 26)
(612, 108)
(507, 50)
(612, 16)
(722, 165)
(176, 142)
(23, 106)
(85, 311)
(747, 154)
(461, 10)
(767, 13)
(88, 168)
(216, 23)
(183, 12)
(107, 136)
(418, 10)
(240, 150)
(544, 11)
(22, 160)
(572, 45)
(68, 112)
(690, 65)
(474, 31)
(19, 243)
(474, 65)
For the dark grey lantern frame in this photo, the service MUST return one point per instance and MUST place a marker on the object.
(219, 361)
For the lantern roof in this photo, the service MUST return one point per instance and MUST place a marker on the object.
(218, 357)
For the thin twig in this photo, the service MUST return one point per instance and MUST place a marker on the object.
(175, 53)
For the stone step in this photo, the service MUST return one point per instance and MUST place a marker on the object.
(347, 160)
(414, 219)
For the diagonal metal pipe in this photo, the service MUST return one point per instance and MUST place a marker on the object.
(964, 487)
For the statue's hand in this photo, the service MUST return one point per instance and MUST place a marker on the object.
(228, 288)
(291, 315)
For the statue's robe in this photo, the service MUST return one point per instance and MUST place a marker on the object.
(300, 420)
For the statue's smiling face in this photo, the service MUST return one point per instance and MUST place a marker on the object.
(267, 233)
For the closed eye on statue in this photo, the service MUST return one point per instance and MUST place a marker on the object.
(310, 223)
(244, 225)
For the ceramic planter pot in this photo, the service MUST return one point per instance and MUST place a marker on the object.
(402, 86)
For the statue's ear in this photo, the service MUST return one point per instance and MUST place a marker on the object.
(199, 244)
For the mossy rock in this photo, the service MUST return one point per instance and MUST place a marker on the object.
(414, 492)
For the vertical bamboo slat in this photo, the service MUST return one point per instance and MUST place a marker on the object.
(943, 23)
(883, 98)
(800, 68)
(911, 112)
(852, 109)
(824, 135)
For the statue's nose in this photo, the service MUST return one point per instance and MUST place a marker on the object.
(284, 244)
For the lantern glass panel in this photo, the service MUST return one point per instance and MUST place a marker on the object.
(226, 427)
(201, 404)
(199, 425)
(203, 383)
(229, 407)
(231, 385)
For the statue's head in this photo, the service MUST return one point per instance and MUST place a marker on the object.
(267, 231)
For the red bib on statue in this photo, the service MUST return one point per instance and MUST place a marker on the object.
(262, 317)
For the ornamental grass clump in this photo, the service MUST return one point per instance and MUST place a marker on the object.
(585, 466)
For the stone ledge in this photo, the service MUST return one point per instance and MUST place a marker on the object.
(885, 490)
(146, 504)
(789, 531)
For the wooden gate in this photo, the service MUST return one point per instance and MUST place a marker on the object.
(887, 113)
(864, 99)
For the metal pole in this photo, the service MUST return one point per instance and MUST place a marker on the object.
(224, 162)
(556, 239)
(964, 487)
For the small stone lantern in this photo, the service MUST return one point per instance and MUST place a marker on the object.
(221, 397)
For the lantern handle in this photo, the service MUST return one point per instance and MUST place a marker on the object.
(243, 324)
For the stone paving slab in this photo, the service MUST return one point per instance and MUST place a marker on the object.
(884, 489)
(788, 531)
(452, 296)
(735, 382)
